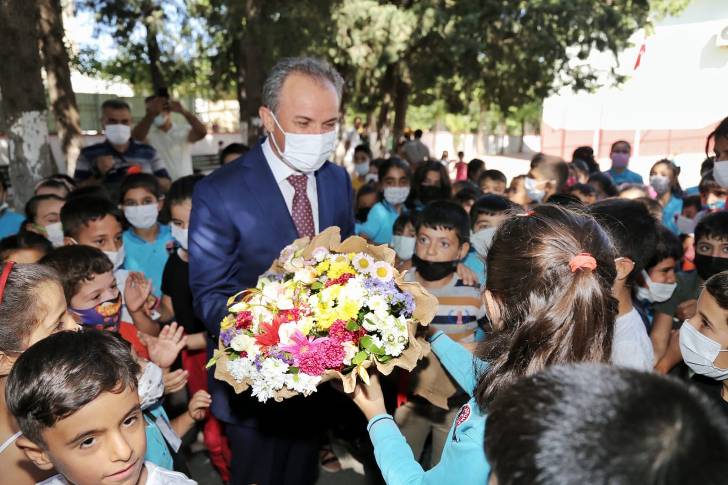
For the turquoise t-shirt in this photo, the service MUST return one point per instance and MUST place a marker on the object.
(476, 264)
(148, 257)
(672, 209)
(626, 177)
(463, 457)
(157, 449)
(10, 223)
(380, 223)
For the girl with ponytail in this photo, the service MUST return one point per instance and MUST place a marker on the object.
(549, 298)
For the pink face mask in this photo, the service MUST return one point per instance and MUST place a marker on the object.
(619, 159)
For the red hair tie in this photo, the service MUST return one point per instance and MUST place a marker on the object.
(581, 261)
(4, 277)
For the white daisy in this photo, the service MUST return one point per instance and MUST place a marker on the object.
(383, 271)
(363, 263)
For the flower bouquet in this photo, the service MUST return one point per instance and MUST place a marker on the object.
(325, 310)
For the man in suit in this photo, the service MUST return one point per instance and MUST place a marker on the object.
(243, 215)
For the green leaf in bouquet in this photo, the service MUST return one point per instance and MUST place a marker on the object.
(294, 370)
(215, 357)
(384, 358)
(316, 285)
(366, 342)
(360, 357)
(352, 326)
(233, 356)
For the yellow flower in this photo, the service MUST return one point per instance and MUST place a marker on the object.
(338, 268)
(227, 322)
(323, 266)
(348, 309)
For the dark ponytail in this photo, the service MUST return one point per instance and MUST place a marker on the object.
(549, 314)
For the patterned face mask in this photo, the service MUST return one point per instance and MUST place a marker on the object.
(104, 316)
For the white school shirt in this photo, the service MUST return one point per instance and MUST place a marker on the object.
(281, 172)
(173, 148)
(631, 346)
(155, 476)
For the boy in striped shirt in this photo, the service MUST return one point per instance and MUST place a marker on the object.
(432, 396)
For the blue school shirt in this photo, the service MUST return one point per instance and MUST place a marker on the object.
(10, 223)
(626, 177)
(149, 258)
(476, 264)
(380, 222)
(692, 191)
(463, 457)
(672, 209)
(157, 449)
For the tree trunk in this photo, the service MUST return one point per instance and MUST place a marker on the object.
(154, 53)
(387, 86)
(58, 75)
(253, 70)
(24, 111)
(402, 88)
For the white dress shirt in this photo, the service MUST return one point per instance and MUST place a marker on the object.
(281, 172)
(173, 148)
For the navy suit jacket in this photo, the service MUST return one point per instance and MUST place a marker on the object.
(238, 227)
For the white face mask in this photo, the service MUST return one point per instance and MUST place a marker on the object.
(116, 257)
(685, 225)
(371, 177)
(396, 195)
(361, 169)
(655, 292)
(482, 240)
(151, 385)
(180, 235)
(404, 246)
(532, 190)
(160, 120)
(699, 352)
(55, 234)
(117, 134)
(305, 153)
(720, 173)
(660, 183)
(141, 216)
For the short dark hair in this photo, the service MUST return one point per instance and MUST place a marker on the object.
(236, 148)
(611, 149)
(89, 190)
(717, 287)
(22, 305)
(24, 240)
(115, 104)
(692, 201)
(62, 373)
(585, 189)
(492, 174)
(363, 149)
(720, 131)
(474, 166)
(79, 211)
(459, 185)
(466, 194)
(145, 181)
(182, 189)
(418, 133)
(393, 162)
(605, 182)
(75, 264)
(631, 227)
(402, 220)
(624, 188)
(653, 206)
(31, 207)
(565, 200)
(585, 154)
(668, 245)
(713, 225)
(708, 185)
(444, 214)
(641, 428)
(492, 205)
(54, 183)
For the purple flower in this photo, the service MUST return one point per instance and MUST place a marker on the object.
(391, 291)
(227, 336)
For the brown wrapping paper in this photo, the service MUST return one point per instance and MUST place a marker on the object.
(425, 309)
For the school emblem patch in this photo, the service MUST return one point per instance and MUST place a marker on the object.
(463, 416)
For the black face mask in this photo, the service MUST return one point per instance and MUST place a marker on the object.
(709, 265)
(434, 271)
(362, 214)
(430, 193)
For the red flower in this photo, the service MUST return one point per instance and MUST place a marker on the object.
(341, 280)
(269, 333)
(244, 320)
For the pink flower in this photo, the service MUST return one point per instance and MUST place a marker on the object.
(339, 333)
(315, 356)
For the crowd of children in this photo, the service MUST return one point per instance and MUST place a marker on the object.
(568, 292)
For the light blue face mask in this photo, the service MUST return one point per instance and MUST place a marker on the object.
(718, 205)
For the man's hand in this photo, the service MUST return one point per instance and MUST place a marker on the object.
(686, 310)
(156, 105)
(176, 107)
(136, 291)
(164, 349)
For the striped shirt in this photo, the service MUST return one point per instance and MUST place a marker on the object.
(138, 154)
(460, 309)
